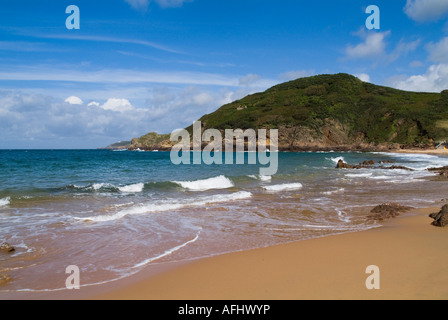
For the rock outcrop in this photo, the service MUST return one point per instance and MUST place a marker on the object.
(6, 247)
(442, 171)
(441, 217)
(368, 164)
(387, 211)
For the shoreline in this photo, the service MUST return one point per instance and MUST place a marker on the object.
(408, 251)
(331, 267)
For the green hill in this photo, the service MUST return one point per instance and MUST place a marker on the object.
(338, 111)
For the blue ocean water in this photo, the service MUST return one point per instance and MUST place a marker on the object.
(114, 213)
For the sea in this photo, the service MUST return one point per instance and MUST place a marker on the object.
(114, 213)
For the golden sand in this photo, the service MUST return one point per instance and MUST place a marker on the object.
(410, 253)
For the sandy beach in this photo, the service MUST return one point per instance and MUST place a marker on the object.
(408, 251)
(437, 152)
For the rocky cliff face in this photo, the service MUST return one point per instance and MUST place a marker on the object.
(331, 135)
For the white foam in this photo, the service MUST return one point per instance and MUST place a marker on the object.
(358, 175)
(98, 186)
(380, 177)
(220, 182)
(340, 190)
(283, 187)
(133, 188)
(166, 253)
(420, 162)
(5, 201)
(336, 160)
(342, 216)
(169, 205)
(261, 178)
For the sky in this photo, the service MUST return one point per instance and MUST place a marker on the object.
(139, 66)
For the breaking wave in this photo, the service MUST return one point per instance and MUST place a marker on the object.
(168, 205)
(220, 182)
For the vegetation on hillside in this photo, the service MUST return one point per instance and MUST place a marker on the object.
(382, 114)
(376, 113)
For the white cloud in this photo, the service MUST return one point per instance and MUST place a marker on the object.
(426, 10)
(295, 74)
(438, 52)
(74, 100)
(372, 46)
(403, 48)
(171, 3)
(37, 121)
(249, 79)
(142, 5)
(72, 37)
(255, 82)
(93, 104)
(138, 4)
(363, 77)
(434, 80)
(115, 76)
(118, 105)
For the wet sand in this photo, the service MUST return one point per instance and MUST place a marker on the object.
(437, 152)
(409, 252)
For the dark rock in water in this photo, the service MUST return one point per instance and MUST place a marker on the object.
(369, 164)
(443, 171)
(366, 164)
(440, 218)
(387, 211)
(342, 165)
(4, 279)
(6, 247)
(396, 168)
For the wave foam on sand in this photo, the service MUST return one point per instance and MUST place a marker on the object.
(162, 206)
(283, 187)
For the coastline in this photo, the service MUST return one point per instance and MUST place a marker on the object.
(406, 249)
(320, 268)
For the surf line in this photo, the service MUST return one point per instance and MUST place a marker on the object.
(234, 142)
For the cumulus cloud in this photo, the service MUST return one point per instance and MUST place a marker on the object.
(93, 104)
(426, 10)
(38, 121)
(438, 52)
(434, 80)
(74, 100)
(118, 105)
(373, 45)
(363, 77)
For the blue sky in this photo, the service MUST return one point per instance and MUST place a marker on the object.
(136, 66)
